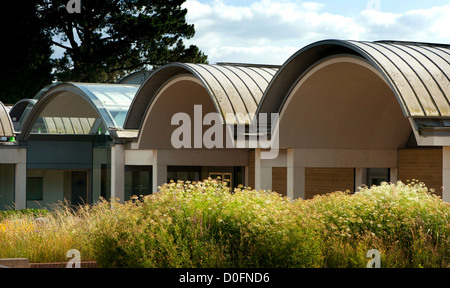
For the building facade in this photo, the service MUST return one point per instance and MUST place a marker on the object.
(378, 109)
(348, 113)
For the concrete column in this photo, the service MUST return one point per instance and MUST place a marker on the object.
(118, 172)
(394, 175)
(20, 197)
(295, 176)
(446, 174)
(263, 174)
(359, 178)
(159, 176)
(159, 172)
(246, 180)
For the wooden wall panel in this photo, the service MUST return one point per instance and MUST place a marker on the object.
(251, 169)
(279, 180)
(319, 181)
(423, 164)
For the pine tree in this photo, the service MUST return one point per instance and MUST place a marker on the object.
(25, 63)
(109, 39)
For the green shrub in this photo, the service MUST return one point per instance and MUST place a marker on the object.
(204, 224)
(22, 213)
(409, 225)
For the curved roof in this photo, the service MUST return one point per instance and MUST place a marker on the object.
(109, 103)
(136, 78)
(418, 73)
(233, 88)
(20, 110)
(6, 126)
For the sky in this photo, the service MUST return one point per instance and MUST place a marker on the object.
(270, 31)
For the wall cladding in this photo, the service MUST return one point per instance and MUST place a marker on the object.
(319, 181)
(279, 180)
(251, 169)
(423, 164)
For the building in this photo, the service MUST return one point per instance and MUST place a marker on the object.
(190, 88)
(350, 113)
(69, 134)
(12, 164)
(354, 113)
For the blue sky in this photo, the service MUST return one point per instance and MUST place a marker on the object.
(270, 31)
(352, 7)
(349, 7)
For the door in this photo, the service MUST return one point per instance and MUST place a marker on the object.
(79, 188)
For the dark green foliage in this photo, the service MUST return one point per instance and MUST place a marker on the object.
(203, 225)
(26, 50)
(23, 213)
(111, 38)
(106, 41)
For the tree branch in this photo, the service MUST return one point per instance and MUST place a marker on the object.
(80, 35)
(60, 45)
(69, 33)
(131, 67)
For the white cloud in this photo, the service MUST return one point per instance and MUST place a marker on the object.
(424, 25)
(262, 54)
(436, 19)
(378, 18)
(270, 31)
(313, 6)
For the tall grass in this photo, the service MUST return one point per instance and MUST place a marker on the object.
(205, 225)
(406, 223)
(43, 239)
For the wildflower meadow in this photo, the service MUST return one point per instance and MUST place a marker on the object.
(206, 225)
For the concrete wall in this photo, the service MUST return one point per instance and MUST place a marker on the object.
(6, 186)
(343, 103)
(17, 157)
(53, 187)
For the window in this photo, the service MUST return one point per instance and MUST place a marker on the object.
(376, 176)
(35, 189)
(222, 176)
(183, 173)
(138, 181)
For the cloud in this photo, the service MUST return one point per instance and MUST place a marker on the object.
(261, 54)
(422, 25)
(270, 31)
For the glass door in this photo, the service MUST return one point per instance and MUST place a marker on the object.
(226, 177)
(79, 188)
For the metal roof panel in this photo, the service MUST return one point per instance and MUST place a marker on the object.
(418, 73)
(236, 89)
(6, 125)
